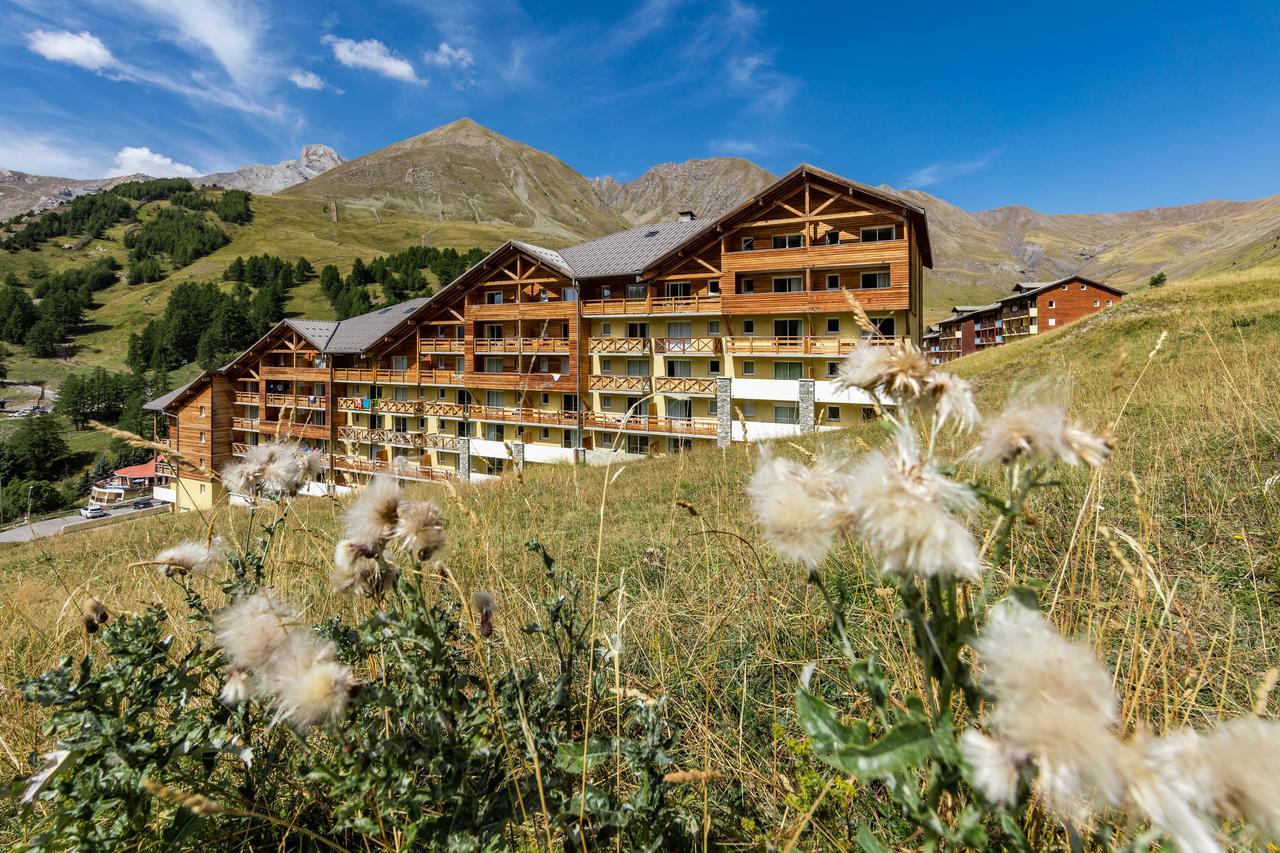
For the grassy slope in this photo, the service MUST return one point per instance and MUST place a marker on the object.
(712, 617)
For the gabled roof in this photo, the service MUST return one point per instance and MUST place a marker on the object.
(146, 469)
(633, 251)
(315, 331)
(550, 257)
(1032, 288)
(159, 404)
(357, 334)
(964, 312)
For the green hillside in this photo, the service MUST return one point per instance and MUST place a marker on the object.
(1164, 560)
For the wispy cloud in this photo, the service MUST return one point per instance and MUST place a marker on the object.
(448, 56)
(130, 160)
(306, 80)
(372, 55)
(735, 147)
(83, 48)
(230, 31)
(41, 153)
(945, 170)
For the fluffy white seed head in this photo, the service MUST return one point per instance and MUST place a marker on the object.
(1054, 704)
(318, 694)
(795, 506)
(951, 400)
(253, 630)
(188, 558)
(419, 529)
(372, 519)
(359, 571)
(236, 689)
(900, 373)
(1035, 428)
(993, 767)
(275, 468)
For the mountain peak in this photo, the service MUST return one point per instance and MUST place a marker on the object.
(262, 178)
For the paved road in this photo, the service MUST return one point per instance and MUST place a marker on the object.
(52, 526)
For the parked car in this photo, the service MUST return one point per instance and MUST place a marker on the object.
(143, 502)
(93, 511)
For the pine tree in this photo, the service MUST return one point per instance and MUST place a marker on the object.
(303, 270)
(234, 270)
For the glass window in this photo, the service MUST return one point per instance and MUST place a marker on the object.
(786, 414)
(713, 367)
(679, 367)
(679, 330)
(748, 285)
(877, 234)
(399, 362)
(544, 434)
(493, 399)
(788, 370)
(637, 291)
(748, 244)
(569, 294)
(786, 328)
(871, 280)
(492, 331)
(606, 402)
(788, 241)
(493, 432)
(638, 367)
(606, 365)
(637, 330)
(748, 327)
(833, 237)
(606, 330)
(713, 407)
(713, 327)
(400, 392)
(748, 368)
(833, 367)
(679, 288)
(493, 365)
(749, 408)
(493, 297)
(570, 403)
(833, 325)
(606, 292)
(1051, 303)
(637, 444)
(833, 281)
(833, 413)
(788, 284)
(713, 286)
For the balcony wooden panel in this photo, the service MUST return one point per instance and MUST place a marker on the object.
(310, 374)
(684, 385)
(516, 381)
(237, 449)
(442, 345)
(556, 309)
(687, 346)
(651, 423)
(353, 404)
(880, 253)
(805, 345)
(521, 415)
(436, 441)
(397, 469)
(247, 424)
(294, 401)
(703, 304)
(528, 346)
(290, 430)
(896, 298)
(636, 384)
(377, 376)
(623, 346)
(247, 398)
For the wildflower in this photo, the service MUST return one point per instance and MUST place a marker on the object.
(235, 690)
(318, 694)
(94, 614)
(791, 502)
(1054, 708)
(253, 630)
(186, 558)
(902, 507)
(900, 373)
(358, 570)
(993, 768)
(277, 467)
(241, 478)
(419, 529)
(372, 519)
(482, 604)
(1037, 430)
(951, 398)
(1229, 770)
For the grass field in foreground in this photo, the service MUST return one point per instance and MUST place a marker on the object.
(1165, 559)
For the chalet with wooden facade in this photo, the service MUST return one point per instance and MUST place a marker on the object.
(650, 340)
(1033, 308)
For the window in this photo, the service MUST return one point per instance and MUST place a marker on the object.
(400, 424)
(748, 285)
(679, 288)
(748, 327)
(606, 330)
(466, 429)
(203, 413)
(833, 413)
(202, 488)
(606, 365)
(748, 368)
(679, 330)
(399, 362)
(638, 367)
(493, 399)
(1108, 303)
(713, 367)
(493, 297)
(606, 292)
(464, 397)
(1053, 321)
(786, 328)
(569, 294)
(493, 432)
(546, 399)
(713, 287)
(871, 280)
(833, 325)
(1052, 303)
(748, 408)
(1096, 303)
(786, 414)
(637, 444)
(885, 327)
(748, 244)
(833, 237)
(544, 434)
(606, 402)
(492, 331)
(833, 368)
(570, 403)
(679, 367)
(788, 370)
(713, 407)
(442, 394)
(493, 365)
(713, 327)
(833, 281)
(788, 241)
(400, 392)
(877, 234)
(788, 284)
(637, 291)
(1083, 287)
(1064, 287)
(637, 330)
(202, 437)
(569, 438)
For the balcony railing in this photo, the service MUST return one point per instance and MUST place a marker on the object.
(238, 449)
(684, 385)
(651, 423)
(709, 304)
(436, 441)
(602, 382)
(394, 468)
(523, 345)
(297, 401)
(607, 346)
(805, 345)
(709, 346)
(442, 345)
(288, 429)
(247, 424)
(521, 415)
(247, 398)
(376, 375)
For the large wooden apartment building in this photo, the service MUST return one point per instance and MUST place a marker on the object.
(1033, 308)
(650, 340)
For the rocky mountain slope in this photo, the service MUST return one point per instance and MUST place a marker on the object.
(21, 192)
(266, 179)
(707, 187)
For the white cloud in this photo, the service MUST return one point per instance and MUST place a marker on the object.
(83, 48)
(40, 154)
(448, 56)
(306, 80)
(735, 146)
(372, 55)
(130, 160)
(230, 30)
(936, 173)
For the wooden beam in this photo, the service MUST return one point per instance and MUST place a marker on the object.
(707, 265)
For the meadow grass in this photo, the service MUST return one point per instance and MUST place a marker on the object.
(1164, 559)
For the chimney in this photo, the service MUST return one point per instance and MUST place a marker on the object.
(687, 216)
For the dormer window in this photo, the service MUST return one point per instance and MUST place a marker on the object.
(788, 241)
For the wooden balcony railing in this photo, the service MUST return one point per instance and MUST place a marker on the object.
(238, 449)
(635, 346)
(684, 385)
(376, 375)
(511, 380)
(291, 430)
(709, 304)
(394, 468)
(247, 398)
(805, 345)
(708, 346)
(355, 404)
(527, 346)
(603, 382)
(651, 423)
(516, 414)
(248, 424)
(309, 374)
(442, 345)
(297, 401)
(432, 440)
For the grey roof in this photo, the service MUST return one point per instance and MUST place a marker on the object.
(159, 404)
(357, 334)
(630, 252)
(963, 311)
(550, 256)
(1028, 288)
(315, 331)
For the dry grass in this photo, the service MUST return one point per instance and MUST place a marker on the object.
(1165, 559)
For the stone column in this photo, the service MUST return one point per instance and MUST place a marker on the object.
(808, 415)
(724, 411)
(464, 460)
(580, 456)
(517, 455)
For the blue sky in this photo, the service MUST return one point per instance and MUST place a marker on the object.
(1081, 107)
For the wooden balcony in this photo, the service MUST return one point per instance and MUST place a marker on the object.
(651, 423)
(552, 309)
(708, 304)
(296, 401)
(246, 424)
(634, 384)
(687, 346)
(684, 385)
(246, 398)
(620, 346)
(881, 253)
(442, 345)
(290, 430)
(376, 376)
(895, 298)
(522, 381)
(308, 374)
(805, 345)
(396, 469)
(528, 346)
(521, 415)
(354, 404)
(436, 441)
